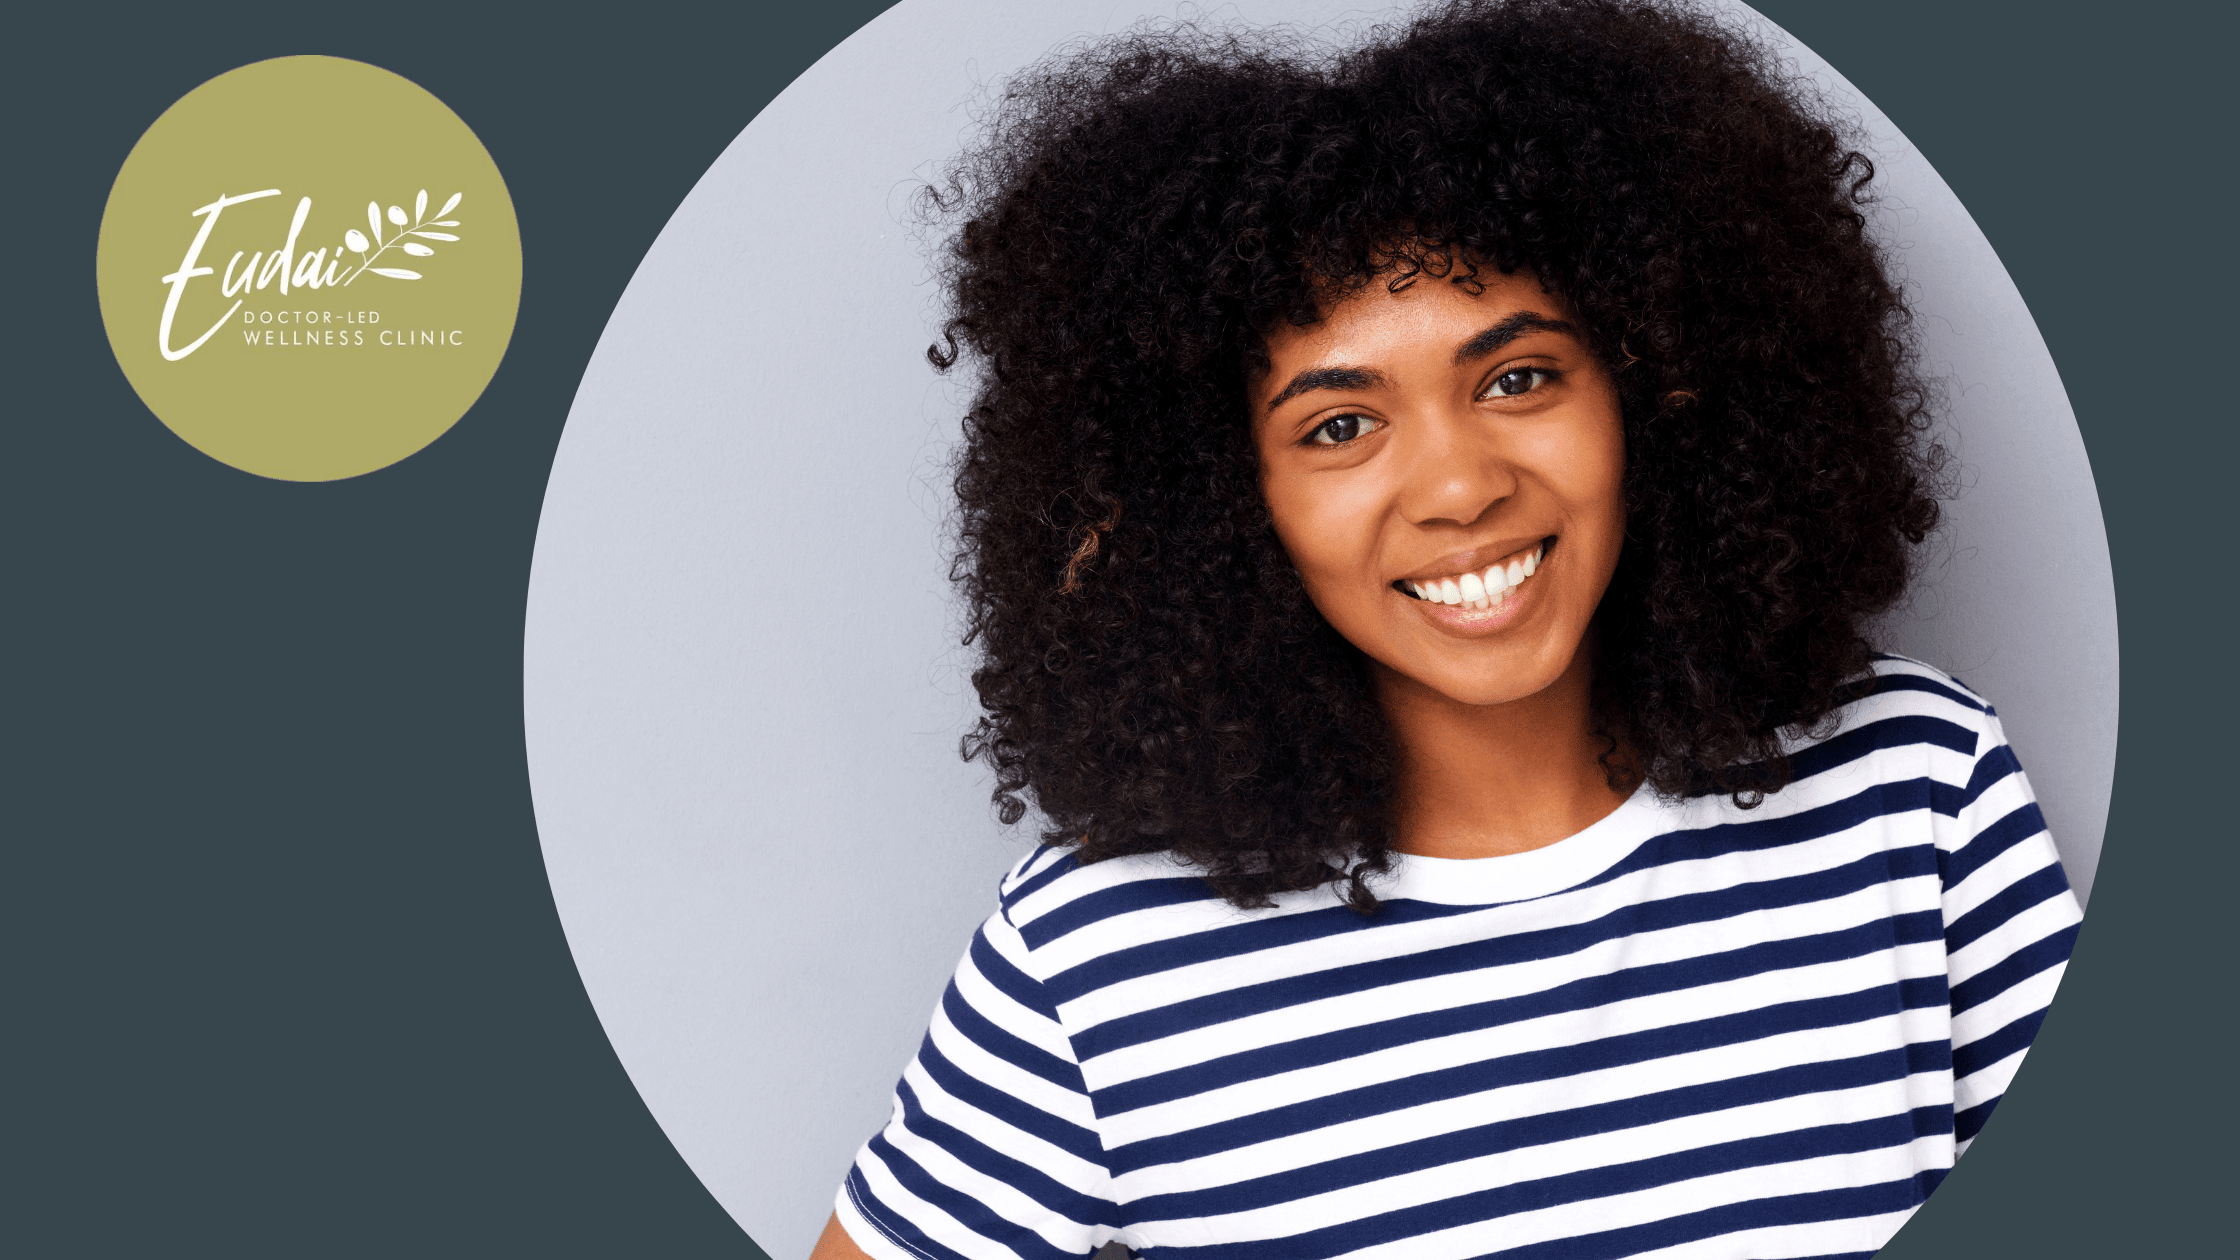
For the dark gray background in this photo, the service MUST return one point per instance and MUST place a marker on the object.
(284, 974)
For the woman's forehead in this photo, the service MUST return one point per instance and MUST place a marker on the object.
(1428, 315)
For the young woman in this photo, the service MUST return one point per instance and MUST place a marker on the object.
(1419, 515)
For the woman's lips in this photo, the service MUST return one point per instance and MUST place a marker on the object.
(1479, 602)
(1472, 588)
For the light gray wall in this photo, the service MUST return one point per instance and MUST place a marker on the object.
(743, 690)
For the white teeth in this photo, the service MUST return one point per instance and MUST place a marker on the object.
(1479, 590)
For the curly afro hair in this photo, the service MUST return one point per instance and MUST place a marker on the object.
(1141, 211)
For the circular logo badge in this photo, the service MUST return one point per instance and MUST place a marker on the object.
(309, 268)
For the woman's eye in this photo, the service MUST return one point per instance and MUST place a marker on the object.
(1338, 430)
(1517, 381)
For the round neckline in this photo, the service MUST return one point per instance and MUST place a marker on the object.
(1551, 868)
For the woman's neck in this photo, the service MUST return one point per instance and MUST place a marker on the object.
(1486, 780)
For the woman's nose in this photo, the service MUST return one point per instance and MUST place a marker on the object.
(1455, 473)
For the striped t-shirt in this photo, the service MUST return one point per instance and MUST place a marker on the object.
(1691, 1030)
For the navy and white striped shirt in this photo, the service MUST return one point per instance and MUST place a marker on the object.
(1690, 1030)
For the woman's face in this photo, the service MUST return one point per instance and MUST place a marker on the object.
(1445, 471)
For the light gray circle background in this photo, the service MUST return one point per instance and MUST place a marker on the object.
(743, 691)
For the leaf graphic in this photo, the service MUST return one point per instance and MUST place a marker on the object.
(445, 223)
(394, 273)
(437, 236)
(420, 207)
(416, 249)
(355, 239)
(449, 204)
(373, 216)
(396, 215)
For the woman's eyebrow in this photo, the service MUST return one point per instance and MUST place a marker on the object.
(1509, 330)
(1328, 378)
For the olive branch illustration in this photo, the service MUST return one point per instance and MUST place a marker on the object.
(420, 222)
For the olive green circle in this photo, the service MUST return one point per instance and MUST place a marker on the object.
(322, 381)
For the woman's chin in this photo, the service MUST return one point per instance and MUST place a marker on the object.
(1473, 684)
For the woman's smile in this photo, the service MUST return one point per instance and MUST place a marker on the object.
(1472, 602)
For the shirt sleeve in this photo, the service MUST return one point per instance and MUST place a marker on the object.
(2010, 920)
(992, 1151)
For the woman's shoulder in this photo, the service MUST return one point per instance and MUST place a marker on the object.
(1900, 686)
(1065, 911)
(1907, 713)
(1895, 675)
